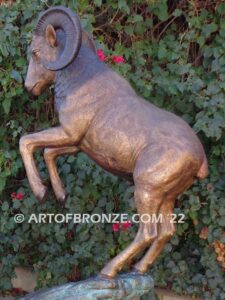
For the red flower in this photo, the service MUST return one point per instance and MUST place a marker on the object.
(101, 54)
(116, 227)
(126, 225)
(13, 195)
(20, 196)
(118, 59)
(16, 196)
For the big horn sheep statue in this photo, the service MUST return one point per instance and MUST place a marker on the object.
(101, 115)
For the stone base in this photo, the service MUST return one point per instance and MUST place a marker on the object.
(128, 286)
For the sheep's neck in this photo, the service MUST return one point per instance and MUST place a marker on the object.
(76, 75)
(67, 79)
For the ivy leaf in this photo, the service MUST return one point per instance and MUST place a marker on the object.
(5, 206)
(16, 75)
(162, 53)
(122, 4)
(21, 62)
(6, 105)
(137, 18)
(16, 204)
(177, 12)
(160, 9)
(207, 29)
(98, 2)
(129, 29)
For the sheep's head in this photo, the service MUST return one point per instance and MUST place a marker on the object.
(56, 43)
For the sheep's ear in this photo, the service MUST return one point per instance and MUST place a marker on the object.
(50, 36)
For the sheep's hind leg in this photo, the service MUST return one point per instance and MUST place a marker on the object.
(50, 155)
(147, 201)
(166, 231)
(167, 226)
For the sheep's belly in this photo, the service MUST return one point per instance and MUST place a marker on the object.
(109, 162)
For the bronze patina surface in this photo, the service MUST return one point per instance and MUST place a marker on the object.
(101, 115)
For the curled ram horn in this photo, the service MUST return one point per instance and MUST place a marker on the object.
(61, 18)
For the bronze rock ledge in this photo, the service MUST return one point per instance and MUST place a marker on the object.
(128, 286)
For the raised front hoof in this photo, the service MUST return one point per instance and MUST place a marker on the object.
(41, 195)
(61, 197)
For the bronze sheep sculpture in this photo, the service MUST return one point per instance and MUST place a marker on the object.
(101, 115)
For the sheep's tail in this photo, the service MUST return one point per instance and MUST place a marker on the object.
(203, 171)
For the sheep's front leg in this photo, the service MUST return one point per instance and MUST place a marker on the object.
(53, 137)
(50, 155)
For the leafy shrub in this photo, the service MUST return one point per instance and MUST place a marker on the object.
(175, 58)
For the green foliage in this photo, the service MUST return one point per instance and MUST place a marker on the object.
(175, 58)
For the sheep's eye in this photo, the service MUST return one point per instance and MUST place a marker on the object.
(35, 52)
